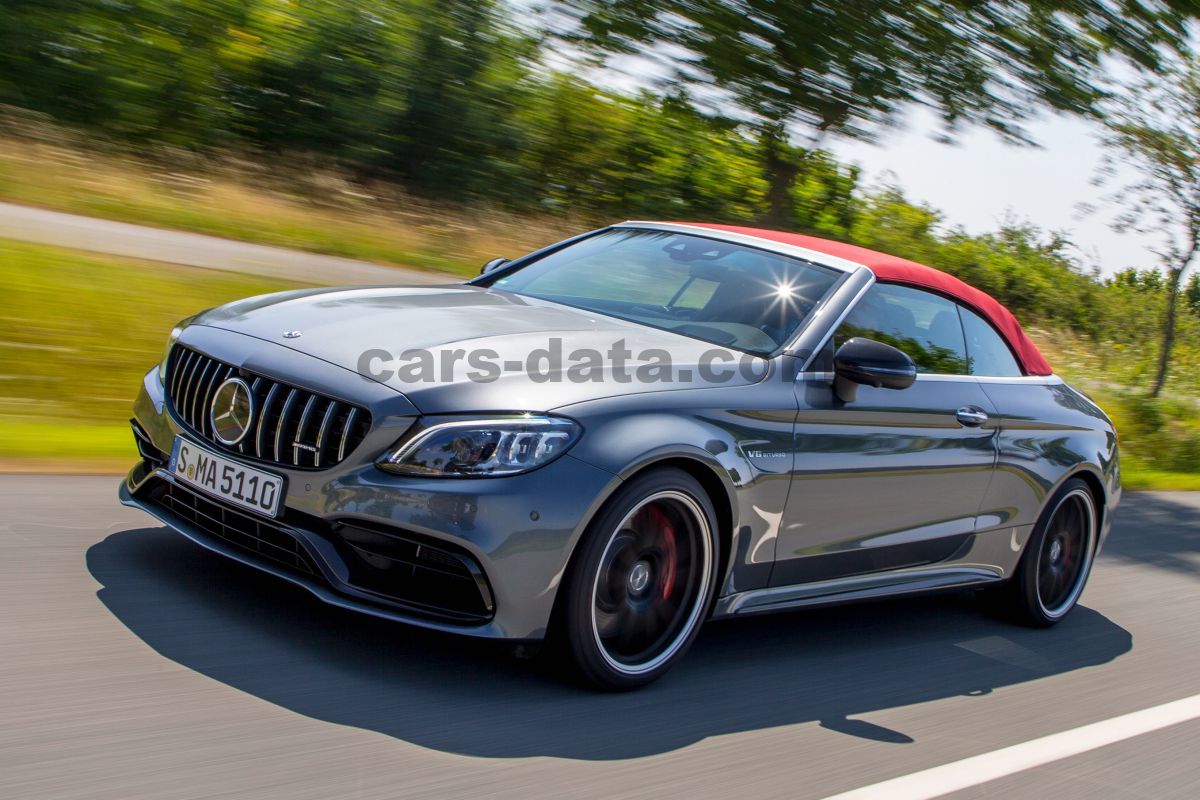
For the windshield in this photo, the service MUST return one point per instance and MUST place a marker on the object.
(727, 294)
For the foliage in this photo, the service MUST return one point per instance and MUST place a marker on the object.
(853, 67)
(1154, 127)
(443, 96)
(1160, 438)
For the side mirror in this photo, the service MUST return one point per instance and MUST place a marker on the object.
(870, 363)
(493, 265)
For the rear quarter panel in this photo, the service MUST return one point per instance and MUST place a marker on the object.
(1049, 432)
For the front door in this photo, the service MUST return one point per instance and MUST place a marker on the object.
(894, 478)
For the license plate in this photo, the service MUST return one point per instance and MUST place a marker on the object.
(234, 483)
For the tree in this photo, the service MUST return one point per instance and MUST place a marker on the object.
(851, 66)
(1153, 126)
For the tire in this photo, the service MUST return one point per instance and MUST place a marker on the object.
(641, 582)
(1058, 558)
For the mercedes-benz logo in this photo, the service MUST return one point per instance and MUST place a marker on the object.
(231, 412)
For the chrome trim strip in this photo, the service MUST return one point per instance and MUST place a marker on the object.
(140, 433)
(346, 432)
(206, 426)
(926, 377)
(186, 383)
(1023, 380)
(262, 419)
(324, 430)
(180, 359)
(1046, 380)
(282, 423)
(177, 378)
(253, 420)
(855, 587)
(202, 421)
(813, 256)
(300, 427)
(196, 383)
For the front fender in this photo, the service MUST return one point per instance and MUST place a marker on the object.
(748, 453)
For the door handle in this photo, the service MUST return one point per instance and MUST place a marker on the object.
(970, 416)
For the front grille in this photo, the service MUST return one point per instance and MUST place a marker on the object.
(255, 535)
(291, 426)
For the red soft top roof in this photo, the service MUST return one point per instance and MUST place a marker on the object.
(901, 270)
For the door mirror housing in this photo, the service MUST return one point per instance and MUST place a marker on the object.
(493, 265)
(870, 363)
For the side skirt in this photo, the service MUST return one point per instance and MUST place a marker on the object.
(857, 587)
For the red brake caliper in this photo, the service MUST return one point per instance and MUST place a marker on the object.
(668, 533)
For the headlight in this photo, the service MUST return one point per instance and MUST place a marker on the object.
(482, 447)
(176, 332)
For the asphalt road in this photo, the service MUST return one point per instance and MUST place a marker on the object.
(136, 665)
(196, 250)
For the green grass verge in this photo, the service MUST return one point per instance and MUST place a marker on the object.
(77, 333)
(65, 446)
(1137, 479)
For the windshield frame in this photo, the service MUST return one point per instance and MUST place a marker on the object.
(806, 257)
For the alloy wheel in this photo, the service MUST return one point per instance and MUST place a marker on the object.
(649, 591)
(1066, 553)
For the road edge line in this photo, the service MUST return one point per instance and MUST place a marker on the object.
(973, 771)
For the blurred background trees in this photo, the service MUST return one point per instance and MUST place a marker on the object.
(470, 104)
(1154, 126)
(853, 67)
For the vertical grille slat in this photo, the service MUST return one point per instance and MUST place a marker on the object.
(346, 430)
(180, 361)
(193, 417)
(323, 433)
(219, 376)
(283, 418)
(261, 423)
(187, 387)
(297, 443)
(253, 422)
(286, 418)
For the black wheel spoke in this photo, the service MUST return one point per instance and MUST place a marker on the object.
(647, 591)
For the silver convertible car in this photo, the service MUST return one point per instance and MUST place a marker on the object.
(604, 443)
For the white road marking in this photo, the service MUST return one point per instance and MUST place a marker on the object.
(979, 769)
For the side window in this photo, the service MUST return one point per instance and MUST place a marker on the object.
(987, 354)
(921, 324)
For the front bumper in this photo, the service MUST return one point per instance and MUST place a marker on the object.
(516, 532)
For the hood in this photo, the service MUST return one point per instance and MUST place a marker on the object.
(466, 348)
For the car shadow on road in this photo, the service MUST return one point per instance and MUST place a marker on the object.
(273, 640)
